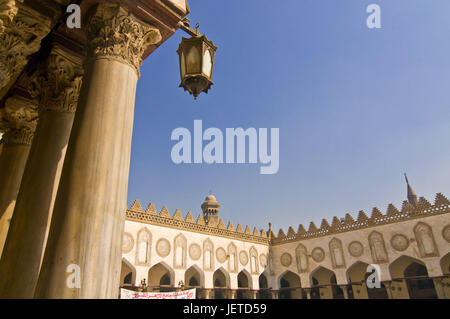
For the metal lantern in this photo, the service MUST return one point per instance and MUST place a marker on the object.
(196, 62)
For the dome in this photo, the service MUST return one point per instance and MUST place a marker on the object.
(210, 198)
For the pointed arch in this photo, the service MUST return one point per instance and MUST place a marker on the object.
(179, 251)
(194, 277)
(143, 247)
(357, 277)
(445, 264)
(425, 240)
(263, 285)
(127, 273)
(413, 275)
(161, 275)
(324, 285)
(221, 278)
(290, 285)
(244, 279)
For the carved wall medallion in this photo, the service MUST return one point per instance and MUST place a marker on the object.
(243, 257)
(263, 260)
(446, 233)
(399, 242)
(318, 254)
(195, 251)
(127, 243)
(163, 247)
(221, 255)
(286, 259)
(355, 248)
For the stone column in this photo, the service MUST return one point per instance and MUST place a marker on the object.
(308, 293)
(274, 294)
(388, 285)
(232, 294)
(345, 291)
(88, 216)
(439, 288)
(29, 226)
(18, 119)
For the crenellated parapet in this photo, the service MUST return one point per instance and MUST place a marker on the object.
(393, 215)
(164, 219)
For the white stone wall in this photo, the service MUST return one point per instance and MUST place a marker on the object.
(158, 233)
(406, 228)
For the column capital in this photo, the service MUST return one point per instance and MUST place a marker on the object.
(18, 119)
(115, 33)
(21, 33)
(61, 81)
(8, 11)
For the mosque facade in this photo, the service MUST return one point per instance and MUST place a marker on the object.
(409, 248)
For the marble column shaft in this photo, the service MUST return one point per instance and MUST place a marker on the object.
(29, 226)
(19, 119)
(88, 216)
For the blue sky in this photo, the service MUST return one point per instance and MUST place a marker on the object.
(356, 108)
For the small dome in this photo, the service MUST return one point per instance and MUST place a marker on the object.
(210, 198)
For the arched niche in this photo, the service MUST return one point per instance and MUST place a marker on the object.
(425, 240)
(179, 253)
(378, 248)
(232, 258)
(143, 247)
(208, 255)
(301, 256)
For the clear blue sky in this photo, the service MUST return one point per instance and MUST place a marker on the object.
(356, 108)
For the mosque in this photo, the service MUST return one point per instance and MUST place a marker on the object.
(67, 98)
(411, 247)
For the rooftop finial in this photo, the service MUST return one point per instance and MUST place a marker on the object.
(412, 197)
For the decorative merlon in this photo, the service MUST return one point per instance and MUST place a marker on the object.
(393, 215)
(136, 213)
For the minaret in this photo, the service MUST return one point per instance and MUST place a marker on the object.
(412, 197)
(210, 208)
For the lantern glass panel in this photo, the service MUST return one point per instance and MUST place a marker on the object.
(182, 65)
(193, 60)
(207, 63)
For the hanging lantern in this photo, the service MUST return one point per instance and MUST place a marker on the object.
(196, 62)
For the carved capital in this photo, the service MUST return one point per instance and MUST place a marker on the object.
(19, 38)
(8, 11)
(18, 119)
(61, 82)
(115, 33)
